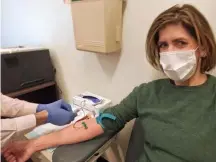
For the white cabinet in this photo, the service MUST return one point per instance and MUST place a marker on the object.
(97, 25)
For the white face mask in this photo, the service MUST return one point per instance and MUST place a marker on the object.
(179, 65)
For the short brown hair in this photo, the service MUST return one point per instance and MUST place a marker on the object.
(197, 26)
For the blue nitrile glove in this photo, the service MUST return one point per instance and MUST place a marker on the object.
(60, 104)
(59, 112)
(60, 116)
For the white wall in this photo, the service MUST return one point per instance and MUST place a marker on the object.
(49, 23)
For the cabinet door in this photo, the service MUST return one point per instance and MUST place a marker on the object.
(25, 69)
(10, 73)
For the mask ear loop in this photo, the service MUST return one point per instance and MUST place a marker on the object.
(196, 48)
(203, 55)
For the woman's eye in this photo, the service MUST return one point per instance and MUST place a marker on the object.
(163, 45)
(181, 43)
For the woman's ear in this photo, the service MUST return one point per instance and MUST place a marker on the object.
(202, 52)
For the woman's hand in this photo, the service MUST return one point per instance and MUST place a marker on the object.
(19, 151)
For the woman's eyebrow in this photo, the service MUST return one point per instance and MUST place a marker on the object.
(161, 42)
(179, 39)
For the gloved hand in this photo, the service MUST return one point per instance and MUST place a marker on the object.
(60, 104)
(59, 112)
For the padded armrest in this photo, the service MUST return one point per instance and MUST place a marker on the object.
(80, 152)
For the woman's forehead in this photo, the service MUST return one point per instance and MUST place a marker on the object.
(173, 31)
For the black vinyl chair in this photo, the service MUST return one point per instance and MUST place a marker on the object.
(135, 146)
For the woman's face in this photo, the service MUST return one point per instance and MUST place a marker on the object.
(174, 37)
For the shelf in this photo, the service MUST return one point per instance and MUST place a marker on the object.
(31, 89)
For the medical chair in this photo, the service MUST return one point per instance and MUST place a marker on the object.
(91, 150)
(135, 146)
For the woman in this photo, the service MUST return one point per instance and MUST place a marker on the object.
(177, 114)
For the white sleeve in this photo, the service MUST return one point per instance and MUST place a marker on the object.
(9, 127)
(11, 107)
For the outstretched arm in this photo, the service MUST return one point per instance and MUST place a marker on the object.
(22, 150)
